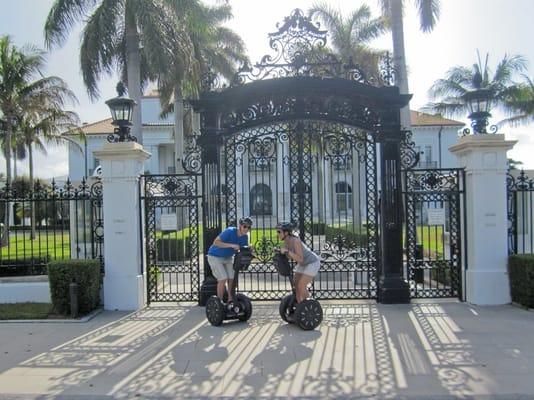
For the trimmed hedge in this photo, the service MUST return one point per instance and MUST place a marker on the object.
(173, 249)
(521, 270)
(86, 273)
(317, 228)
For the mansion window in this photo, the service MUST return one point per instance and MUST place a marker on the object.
(261, 200)
(343, 197)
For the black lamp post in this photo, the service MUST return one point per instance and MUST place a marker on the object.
(121, 108)
(479, 102)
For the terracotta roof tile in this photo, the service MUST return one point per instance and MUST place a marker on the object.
(100, 127)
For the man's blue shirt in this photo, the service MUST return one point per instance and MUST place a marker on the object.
(229, 235)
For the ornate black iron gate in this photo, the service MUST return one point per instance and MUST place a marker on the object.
(295, 137)
(434, 231)
(170, 204)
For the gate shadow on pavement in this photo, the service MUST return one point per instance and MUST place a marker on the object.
(360, 349)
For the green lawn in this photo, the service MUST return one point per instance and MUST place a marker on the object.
(431, 237)
(25, 311)
(57, 246)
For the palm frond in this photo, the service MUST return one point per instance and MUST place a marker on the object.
(429, 11)
(101, 37)
(63, 16)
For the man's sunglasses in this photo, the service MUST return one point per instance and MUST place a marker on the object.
(247, 226)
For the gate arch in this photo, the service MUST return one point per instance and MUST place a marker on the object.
(292, 121)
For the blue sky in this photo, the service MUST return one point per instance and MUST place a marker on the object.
(498, 26)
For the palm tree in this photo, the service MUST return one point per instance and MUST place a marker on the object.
(17, 69)
(214, 47)
(519, 104)
(428, 16)
(112, 36)
(46, 126)
(350, 35)
(459, 81)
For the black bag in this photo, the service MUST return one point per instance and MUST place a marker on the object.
(281, 263)
(243, 259)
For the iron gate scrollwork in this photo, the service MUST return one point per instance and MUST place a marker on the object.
(320, 175)
(434, 231)
(171, 221)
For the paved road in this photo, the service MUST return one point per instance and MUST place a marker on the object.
(424, 350)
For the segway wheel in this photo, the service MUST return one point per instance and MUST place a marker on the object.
(285, 308)
(246, 306)
(308, 314)
(215, 311)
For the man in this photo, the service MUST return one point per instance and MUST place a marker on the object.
(221, 256)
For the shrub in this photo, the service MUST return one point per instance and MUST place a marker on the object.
(521, 270)
(86, 273)
(173, 249)
(346, 236)
(316, 228)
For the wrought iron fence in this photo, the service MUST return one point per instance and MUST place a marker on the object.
(520, 213)
(47, 222)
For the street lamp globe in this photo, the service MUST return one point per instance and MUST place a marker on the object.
(121, 108)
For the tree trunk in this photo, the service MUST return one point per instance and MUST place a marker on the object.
(399, 57)
(178, 129)
(32, 204)
(134, 73)
(9, 132)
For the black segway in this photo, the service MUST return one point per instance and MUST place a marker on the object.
(308, 314)
(217, 311)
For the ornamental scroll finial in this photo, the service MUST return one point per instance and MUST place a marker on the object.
(300, 50)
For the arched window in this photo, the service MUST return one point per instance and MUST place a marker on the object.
(261, 200)
(343, 197)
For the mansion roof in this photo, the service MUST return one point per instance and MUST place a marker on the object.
(419, 119)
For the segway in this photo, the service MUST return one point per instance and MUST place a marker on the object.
(307, 314)
(217, 311)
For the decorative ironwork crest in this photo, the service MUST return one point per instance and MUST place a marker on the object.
(433, 180)
(300, 47)
(170, 185)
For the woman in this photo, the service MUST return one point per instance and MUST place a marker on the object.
(308, 262)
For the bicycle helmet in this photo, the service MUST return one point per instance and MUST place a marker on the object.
(245, 221)
(285, 226)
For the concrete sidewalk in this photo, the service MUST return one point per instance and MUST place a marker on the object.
(424, 350)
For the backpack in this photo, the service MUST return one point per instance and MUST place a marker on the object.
(281, 263)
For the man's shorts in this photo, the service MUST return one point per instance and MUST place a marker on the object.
(310, 269)
(222, 268)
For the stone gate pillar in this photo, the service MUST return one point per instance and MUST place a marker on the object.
(485, 162)
(124, 285)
